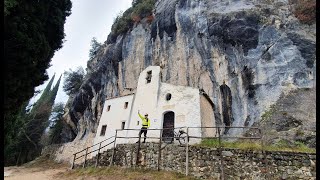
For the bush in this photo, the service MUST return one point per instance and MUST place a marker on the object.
(304, 10)
(144, 8)
(139, 10)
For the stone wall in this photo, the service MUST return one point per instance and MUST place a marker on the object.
(205, 162)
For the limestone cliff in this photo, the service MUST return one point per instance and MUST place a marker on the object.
(244, 54)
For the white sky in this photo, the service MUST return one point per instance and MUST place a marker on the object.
(89, 18)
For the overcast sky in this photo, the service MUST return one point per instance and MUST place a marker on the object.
(89, 18)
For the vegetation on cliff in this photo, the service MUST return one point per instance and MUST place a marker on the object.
(304, 10)
(125, 21)
(95, 46)
(73, 80)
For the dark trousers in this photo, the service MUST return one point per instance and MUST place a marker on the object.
(144, 131)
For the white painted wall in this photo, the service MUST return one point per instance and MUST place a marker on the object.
(151, 98)
(113, 118)
(146, 101)
(185, 103)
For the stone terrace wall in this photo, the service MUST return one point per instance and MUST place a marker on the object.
(205, 162)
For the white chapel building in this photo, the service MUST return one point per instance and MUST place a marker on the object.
(167, 106)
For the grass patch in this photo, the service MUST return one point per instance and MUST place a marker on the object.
(44, 162)
(123, 173)
(236, 145)
(281, 145)
(284, 145)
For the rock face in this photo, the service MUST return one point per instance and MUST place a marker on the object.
(244, 54)
(292, 118)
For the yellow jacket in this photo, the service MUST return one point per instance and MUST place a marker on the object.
(145, 121)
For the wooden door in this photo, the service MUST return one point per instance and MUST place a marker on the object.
(168, 122)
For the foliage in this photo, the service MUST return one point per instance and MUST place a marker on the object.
(143, 8)
(95, 46)
(23, 137)
(33, 31)
(123, 22)
(57, 124)
(305, 10)
(268, 114)
(9, 4)
(73, 80)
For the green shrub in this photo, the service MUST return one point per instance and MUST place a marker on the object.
(299, 132)
(140, 9)
(144, 8)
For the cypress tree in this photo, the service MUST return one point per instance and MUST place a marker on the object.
(24, 144)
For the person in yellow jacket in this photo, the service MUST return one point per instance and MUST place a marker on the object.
(145, 124)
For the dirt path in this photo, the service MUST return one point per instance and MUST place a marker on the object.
(31, 173)
(46, 169)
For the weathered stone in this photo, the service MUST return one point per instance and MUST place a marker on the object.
(234, 168)
(227, 153)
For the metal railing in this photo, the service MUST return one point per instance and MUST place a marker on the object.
(217, 135)
(160, 137)
(94, 150)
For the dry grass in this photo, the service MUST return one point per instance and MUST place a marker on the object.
(305, 10)
(43, 163)
(119, 173)
(255, 145)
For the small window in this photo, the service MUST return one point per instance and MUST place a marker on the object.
(103, 130)
(149, 75)
(168, 96)
(126, 105)
(123, 124)
(108, 109)
(137, 123)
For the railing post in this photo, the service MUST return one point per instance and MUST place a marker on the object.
(98, 156)
(221, 156)
(74, 158)
(114, 148)
(85, 158)
(187, 153)
(138, 150)
(264, 154)
(159, 155)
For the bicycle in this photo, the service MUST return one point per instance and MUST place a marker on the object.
(180, 136)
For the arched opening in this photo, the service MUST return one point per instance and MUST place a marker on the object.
(226, 106)
(168, 126)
